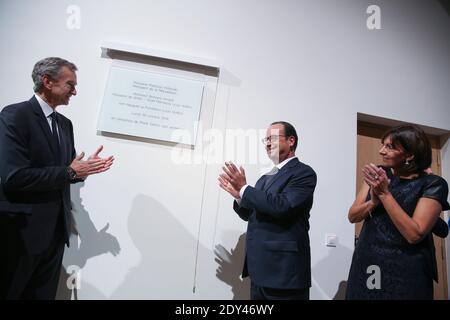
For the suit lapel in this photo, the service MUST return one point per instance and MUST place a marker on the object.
(260, 183)
(43, 123)
(282, 172)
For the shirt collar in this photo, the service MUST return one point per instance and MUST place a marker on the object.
(283, 163)
(44, 106)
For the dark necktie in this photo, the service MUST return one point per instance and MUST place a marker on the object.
(55, 135)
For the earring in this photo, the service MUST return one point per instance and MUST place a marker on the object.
(406, 162)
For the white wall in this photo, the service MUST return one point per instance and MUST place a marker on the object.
(312, 63)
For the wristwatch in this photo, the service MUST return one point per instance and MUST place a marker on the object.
(72, 173)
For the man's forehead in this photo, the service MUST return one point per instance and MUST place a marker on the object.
(67, 72)
(275, 129)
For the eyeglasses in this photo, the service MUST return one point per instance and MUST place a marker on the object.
(273, 138)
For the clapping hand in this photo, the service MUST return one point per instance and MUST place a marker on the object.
(107, 161)
(232, 179)
(93, 165)
(377, 179)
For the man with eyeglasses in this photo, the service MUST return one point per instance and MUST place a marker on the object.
(278, 258)
(37, 165)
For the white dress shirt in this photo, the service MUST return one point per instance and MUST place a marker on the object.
(47, 111)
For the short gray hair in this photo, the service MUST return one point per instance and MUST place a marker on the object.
(49, 66)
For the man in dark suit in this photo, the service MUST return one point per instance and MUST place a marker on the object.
(37, 165)
(278, 258)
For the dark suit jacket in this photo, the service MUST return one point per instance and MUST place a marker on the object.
(277, 244)
(35, 185)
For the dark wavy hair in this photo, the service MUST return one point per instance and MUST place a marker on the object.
(289, 131)
(413, 140)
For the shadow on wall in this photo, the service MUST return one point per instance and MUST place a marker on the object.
(231, 264)
(230, 269)
(85, 242)
(167, 248)
(445, 5)
(324, 286)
